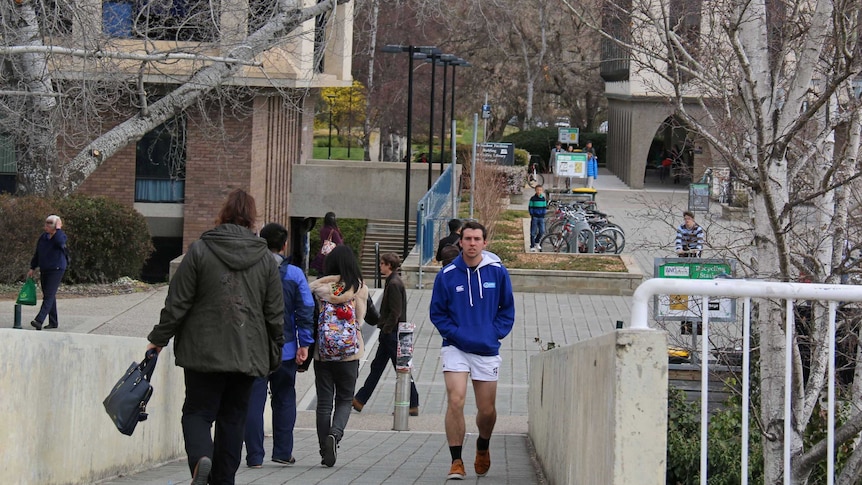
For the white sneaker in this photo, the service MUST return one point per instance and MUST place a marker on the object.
(532, 249)
(538, 248)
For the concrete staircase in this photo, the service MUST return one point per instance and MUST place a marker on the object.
(390, 235)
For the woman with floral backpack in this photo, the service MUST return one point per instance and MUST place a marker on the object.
(338, 347)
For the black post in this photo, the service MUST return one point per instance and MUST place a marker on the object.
(443, 118)
(329, 155)
(349, 120)
(410, 50)
(430, 156)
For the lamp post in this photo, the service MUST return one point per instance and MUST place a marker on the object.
(432, 58)
(349, 120)
(448, 60)
(331, 98)
(413, 52)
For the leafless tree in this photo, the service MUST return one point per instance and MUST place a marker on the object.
(63, 78)
(768, 85)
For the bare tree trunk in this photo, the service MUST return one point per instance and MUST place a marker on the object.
(366, 128)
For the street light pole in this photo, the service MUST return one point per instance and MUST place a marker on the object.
(433, 56)
(331, 97)
(349, 120)
(413, 52)
(445, 63)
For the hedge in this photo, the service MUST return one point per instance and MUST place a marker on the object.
(107, 240)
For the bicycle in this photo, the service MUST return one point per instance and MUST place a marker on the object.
(534, 178)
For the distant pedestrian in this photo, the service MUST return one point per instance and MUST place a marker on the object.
(592, 164)
(51, 257)
(558, 148)
(449, 253)
(453, 239)
(538, 207)
(298, 336)
(393, 310)
(473, 307)
(330, 235)
(226, 309)
(343, 298)
(690, 237)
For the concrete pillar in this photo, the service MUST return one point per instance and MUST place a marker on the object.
(598, 409)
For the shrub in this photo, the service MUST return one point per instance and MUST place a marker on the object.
(540, 141)
(107, 240)
(21, 223)
(522, 157)
(353, 231)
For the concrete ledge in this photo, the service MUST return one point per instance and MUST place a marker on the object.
(598, 409)
(55, 429)
(548, 280)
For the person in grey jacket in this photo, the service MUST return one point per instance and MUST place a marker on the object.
(225, 311)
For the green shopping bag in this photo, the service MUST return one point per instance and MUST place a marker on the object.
(27, 296)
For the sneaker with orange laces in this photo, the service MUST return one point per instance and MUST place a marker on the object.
(483, 462)
(456, 472)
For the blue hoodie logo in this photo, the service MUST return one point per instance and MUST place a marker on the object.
(489, 284)
(459, 288)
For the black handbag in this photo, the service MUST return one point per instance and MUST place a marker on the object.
(127, 402)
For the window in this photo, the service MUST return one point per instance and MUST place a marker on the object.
(160, 166)
(8, 165)
(175, 20)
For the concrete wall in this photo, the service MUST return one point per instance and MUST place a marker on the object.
(365, 190)
(53, 427)
(598, 410)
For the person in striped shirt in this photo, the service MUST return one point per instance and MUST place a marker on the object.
(690, 237)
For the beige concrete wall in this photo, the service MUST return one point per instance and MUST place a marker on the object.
(598, 410)
(53, 427)
(365, 190)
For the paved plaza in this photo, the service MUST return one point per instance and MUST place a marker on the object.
(371, 453)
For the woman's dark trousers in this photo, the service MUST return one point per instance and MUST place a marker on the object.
(334, 382)
(50, 281)
(221, 398)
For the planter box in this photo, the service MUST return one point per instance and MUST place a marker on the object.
(547, 281)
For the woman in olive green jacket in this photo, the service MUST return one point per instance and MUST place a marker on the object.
(225, 311)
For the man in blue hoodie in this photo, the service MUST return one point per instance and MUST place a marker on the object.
(298, 330)
(472, 307)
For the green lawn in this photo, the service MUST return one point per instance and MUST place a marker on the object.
(338, 153)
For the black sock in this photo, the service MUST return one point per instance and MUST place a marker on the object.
(455, 451)
(482, 444)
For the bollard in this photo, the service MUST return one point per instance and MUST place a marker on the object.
(17, 322)
(403, 363)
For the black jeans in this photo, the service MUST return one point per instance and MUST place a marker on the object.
(387, 346)
(50, 282)
(223, 398)
(334, 381)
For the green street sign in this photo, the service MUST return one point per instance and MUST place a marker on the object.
(686, 307)
(568, 135)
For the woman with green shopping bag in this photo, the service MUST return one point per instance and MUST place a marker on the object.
(50, 257)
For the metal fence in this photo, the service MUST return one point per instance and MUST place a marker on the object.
(435, 209)
(789, 292)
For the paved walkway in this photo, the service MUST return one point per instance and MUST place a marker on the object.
(370, 452)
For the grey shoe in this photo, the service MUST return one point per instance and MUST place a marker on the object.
(202, 471)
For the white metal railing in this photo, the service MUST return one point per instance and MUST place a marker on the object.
(747, 290)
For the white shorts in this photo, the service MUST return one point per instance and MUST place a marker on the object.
(480, 367)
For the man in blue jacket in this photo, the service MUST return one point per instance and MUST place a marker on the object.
(472, 307)
(298, 336)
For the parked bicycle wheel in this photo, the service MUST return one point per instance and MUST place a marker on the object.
(605, 244)
(617, 235)
(554, 243)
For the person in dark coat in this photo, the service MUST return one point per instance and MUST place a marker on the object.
(453, 239)
(393, 309)
(225, 311)
(51, 259)
(329, 232)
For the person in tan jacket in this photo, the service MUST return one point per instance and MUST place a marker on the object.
(338, 345)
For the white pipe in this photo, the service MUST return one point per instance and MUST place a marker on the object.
(830, 419)
(788, 390)
(746, 384)
(704, 387)
(642, 297)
